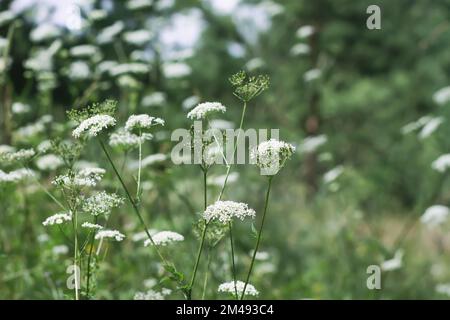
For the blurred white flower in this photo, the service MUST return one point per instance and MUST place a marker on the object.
(60, 249)
(15, 176)
(134, 67)
(442, 96)
(312, 74)
(79, 70)
(443, 288)
(109, 33)
(299, 49)
(221, 124)
(49, 162)
(305, 31)
(148, 161)
(394, 263)
(89, 225)
(190, 102)
(311, 144)
(333, 174)
(139, 4)
(124, 139)
(435, 215)
(84, 50)
(113, 234)
(220, 180)
(58, 218)
(6, 17)
(254, 64)
(106, 66)
(442, 163)
(97, 14)
(152, 294)
(164, 238)
(176, 69)
(431, 126)
(87, 177)
(154, 99)
(15, 156)
(412, 126)
(44, 32)
(138, 37)
(19, 108)
(261, 255)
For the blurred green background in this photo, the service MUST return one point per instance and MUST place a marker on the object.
(348, 97)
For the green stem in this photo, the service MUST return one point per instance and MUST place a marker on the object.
(202, 242)
(234, 151)
(233, 265)
(138, 189)
(259, 237)
(205, 282)
(89, 259)
(133, 204)
(75, 254)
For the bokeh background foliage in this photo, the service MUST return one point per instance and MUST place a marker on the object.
(340, 92)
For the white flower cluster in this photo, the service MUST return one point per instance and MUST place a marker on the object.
(49, 162)
(152, 294)
(16, 175)
(225, 211)
(58, 218)
(231, 287)
(102, 203)
(442, 96)
(435, 215)
(164, 238)
(124, 139)
(149, 160)
(89, 225)
(442, 163)
(110, 234)
(142, 121)
(93, 125)
(21, 155)
(272, 153)
(205, 109)
(87, 177)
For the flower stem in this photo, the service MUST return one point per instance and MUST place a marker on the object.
(75, 255)
(234, 151)
(133, 204)
(91, 245)
(258, 240)
(138, 188)
(202, 242)
(233, 265)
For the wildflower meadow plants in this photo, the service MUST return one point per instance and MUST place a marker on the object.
(85, 198)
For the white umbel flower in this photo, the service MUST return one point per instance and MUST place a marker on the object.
(163, 238)
(231, 287)
(225, 211)
(49, 162)
(205, 109)
(272, 154)
(139, 4)
(142, 122)
(87, 177)
(58, 218)
(102, 203)
(113, 234)
(124, 139)
(94, 125)
(442, 163)
(435, 215)
(15, 175)
(21, 155)
(89, 225)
